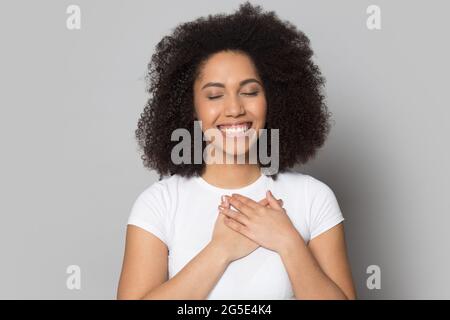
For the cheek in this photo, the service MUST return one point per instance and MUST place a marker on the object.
(258, 109)
(207, 112)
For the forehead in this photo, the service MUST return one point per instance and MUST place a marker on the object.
(227, 66)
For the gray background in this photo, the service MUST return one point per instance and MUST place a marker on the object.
(70, 169)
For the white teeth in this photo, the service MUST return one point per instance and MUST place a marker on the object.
(236, 129)
(233, 130)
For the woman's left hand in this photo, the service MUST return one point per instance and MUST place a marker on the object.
(269, 226)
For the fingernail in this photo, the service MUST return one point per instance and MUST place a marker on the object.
(225, 200)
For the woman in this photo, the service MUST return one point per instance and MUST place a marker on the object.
(221, 230)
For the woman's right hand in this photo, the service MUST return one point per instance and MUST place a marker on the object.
(234, 244)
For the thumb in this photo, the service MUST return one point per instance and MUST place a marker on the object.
(274, 203)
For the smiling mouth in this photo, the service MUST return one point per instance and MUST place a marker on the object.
(235, 130)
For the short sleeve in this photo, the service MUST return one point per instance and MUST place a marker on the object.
(149, 212)
(325, 212)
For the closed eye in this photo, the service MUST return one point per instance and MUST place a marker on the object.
(251, 93)
(246, 94)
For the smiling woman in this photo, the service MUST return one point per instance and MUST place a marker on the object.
(216, 230)
(237, 105)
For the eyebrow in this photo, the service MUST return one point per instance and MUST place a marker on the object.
(221, 85)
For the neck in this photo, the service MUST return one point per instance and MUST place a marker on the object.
(231, 176)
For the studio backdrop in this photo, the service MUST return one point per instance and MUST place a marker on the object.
(73, 86)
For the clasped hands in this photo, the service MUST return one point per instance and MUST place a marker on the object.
(265, 222)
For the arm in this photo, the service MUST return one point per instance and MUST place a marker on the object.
(319, 270)
(144, 272)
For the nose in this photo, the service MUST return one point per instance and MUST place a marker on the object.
(234, 107)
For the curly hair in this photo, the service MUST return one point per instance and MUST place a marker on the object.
(283, 59)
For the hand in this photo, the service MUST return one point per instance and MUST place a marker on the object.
(234, 244)
(269, 225)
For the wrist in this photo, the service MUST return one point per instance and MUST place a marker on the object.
(219, 254)
(293, 242)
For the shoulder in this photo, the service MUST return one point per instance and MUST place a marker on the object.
(291, 185)
(324, 209)
(311, 187)
(162, 191)
(314, 198)
(318, 188)
(152, 208)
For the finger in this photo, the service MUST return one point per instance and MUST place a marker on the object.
(225, 201)
(247, 201)
(265, 202)
(240, 206)
(236, 226)
(272, 201)
(238, 216)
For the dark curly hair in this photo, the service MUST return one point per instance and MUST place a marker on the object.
(283, 59)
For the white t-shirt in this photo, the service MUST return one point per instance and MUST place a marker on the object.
(182, 212)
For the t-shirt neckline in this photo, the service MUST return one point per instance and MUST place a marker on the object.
(216, 189)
